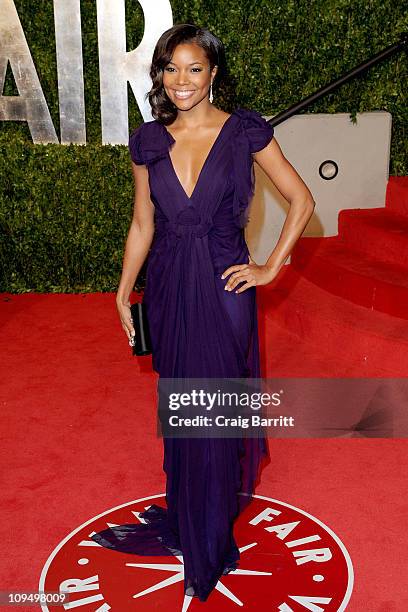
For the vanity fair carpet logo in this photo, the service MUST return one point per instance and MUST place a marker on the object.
(289, 561)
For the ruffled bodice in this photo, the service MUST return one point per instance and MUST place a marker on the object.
(246, 133)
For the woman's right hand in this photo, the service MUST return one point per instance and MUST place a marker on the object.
(126, 319)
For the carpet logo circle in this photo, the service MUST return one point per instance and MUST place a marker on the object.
(289, 561)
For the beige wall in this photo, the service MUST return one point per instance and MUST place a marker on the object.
(361, 152)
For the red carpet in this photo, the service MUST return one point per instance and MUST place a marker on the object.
(79, 431)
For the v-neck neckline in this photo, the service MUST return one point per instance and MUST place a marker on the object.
(203, 167)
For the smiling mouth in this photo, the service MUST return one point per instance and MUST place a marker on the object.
(182, 94)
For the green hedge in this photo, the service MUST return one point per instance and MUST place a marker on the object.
(64, 216)
(65, 210)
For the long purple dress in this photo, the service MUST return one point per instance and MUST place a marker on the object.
(200, 330)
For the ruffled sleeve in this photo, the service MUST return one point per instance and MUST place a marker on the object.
(149, 142)
(252, 134)
(258, 131)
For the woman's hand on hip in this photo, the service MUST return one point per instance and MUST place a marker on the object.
(251, 274)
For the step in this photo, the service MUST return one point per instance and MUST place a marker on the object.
(396, 196)
(352, 275)
(379, 232)
(374, 343)
(284, 355)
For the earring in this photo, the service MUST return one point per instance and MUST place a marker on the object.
(211, 93)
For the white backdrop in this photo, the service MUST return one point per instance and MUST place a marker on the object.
(361, 152)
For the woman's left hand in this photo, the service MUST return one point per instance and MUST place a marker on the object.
(250, 274)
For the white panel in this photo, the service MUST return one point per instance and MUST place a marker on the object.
(362, 153)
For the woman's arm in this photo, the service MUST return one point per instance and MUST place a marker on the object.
(137, 246)
(295, 191)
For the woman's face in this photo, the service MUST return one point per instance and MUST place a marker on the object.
(187, 77)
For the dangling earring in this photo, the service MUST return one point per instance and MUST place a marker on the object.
(211, 93)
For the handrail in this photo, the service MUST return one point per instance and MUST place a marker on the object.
(347, 76)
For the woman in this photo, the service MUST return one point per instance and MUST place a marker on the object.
(193, 174)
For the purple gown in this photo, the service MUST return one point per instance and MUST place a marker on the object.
(200, 330)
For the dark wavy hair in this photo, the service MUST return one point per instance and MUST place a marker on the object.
(163, 108)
